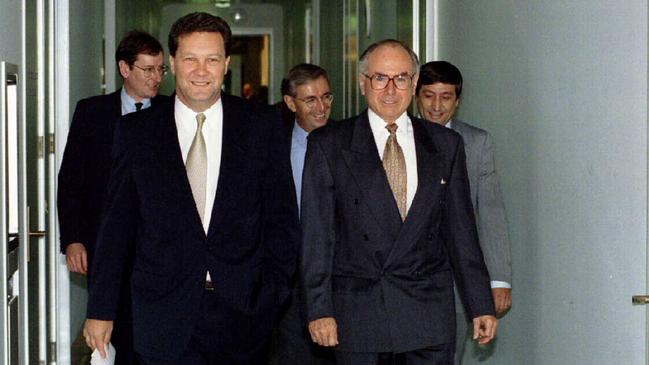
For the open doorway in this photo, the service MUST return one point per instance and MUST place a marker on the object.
(249, 73)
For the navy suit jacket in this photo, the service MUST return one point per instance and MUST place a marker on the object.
(85, 168)
(249, 249)
(388, 283)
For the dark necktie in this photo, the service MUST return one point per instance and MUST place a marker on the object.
(394, 164)
(138, 107)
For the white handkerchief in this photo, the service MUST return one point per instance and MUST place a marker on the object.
(443, 182)
(96, 358)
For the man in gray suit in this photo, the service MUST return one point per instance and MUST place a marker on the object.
(438, 96)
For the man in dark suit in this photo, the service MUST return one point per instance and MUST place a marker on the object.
(438, 96)
(202, 185)
(85, 168)
(387, 222)
(308, 96)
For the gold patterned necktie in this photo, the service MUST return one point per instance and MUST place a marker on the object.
(196, 166)
(394, 164)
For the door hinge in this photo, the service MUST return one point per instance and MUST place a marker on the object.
(50, 140)
(51, 353)
(40, 147)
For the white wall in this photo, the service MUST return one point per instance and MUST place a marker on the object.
(562, 86)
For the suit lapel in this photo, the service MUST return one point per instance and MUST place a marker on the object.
(170, 157)
(429, 178)
(234, 145)
(366, 167)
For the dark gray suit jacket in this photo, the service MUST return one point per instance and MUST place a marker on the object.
(487, 200)
(389, 284)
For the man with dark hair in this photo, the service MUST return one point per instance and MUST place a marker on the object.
(202, 187)
(308, 96)
(438, 96)
(85, 168)
(387, 222)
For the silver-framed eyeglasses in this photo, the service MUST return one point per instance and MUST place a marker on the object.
(312, 101)
(380, 81)
(149, 70)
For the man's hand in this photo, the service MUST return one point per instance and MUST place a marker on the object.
(324, 331)
(484, 329)
(502, 300)
(77, 258)
(97, 334)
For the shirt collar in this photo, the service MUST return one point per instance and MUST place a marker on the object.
(378, 124)
(213, 113)
(299, 134)
(128, 103)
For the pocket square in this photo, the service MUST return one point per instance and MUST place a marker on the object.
(443, 182)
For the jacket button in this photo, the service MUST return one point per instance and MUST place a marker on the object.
(356, 201)
(365, 237)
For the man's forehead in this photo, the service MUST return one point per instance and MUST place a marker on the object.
(309, 86)
(157, 58)
(439, 87)
(389, 57)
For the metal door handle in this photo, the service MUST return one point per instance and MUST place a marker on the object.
(38, 234)
(640, 299)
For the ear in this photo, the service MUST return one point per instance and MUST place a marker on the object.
(227, 65)
(361, 83)
(290, 103)
(124, 69)
(171, 65)
(415, 78)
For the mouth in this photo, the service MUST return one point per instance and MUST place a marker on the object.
(200, 83)
(434, 115)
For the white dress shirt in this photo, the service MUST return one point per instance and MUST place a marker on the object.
(213, 134)
(406, 139)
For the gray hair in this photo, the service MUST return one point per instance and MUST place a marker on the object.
(362, 63)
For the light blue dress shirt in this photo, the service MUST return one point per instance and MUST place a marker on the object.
(128, 103)
(298, 152)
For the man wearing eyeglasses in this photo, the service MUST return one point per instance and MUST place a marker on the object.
(308, 96)
(85, 168)
(387, 224)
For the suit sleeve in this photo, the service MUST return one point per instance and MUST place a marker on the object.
(461, 239)
(491, 217)
(72, 179)
(318, 237)
(117, 232)
(281, 227)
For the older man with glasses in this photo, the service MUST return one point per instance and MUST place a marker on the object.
(387, 225)
(85, 168)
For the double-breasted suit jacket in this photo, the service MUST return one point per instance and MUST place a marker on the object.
(249, 249)
(388, 283)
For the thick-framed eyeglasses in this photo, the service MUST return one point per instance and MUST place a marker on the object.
(312, 101)
(380, 81)
(150, 70)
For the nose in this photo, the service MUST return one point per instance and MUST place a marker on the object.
(202, 67)
(436, 103)
(157, 76)
(391, 88)
(320, 105)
